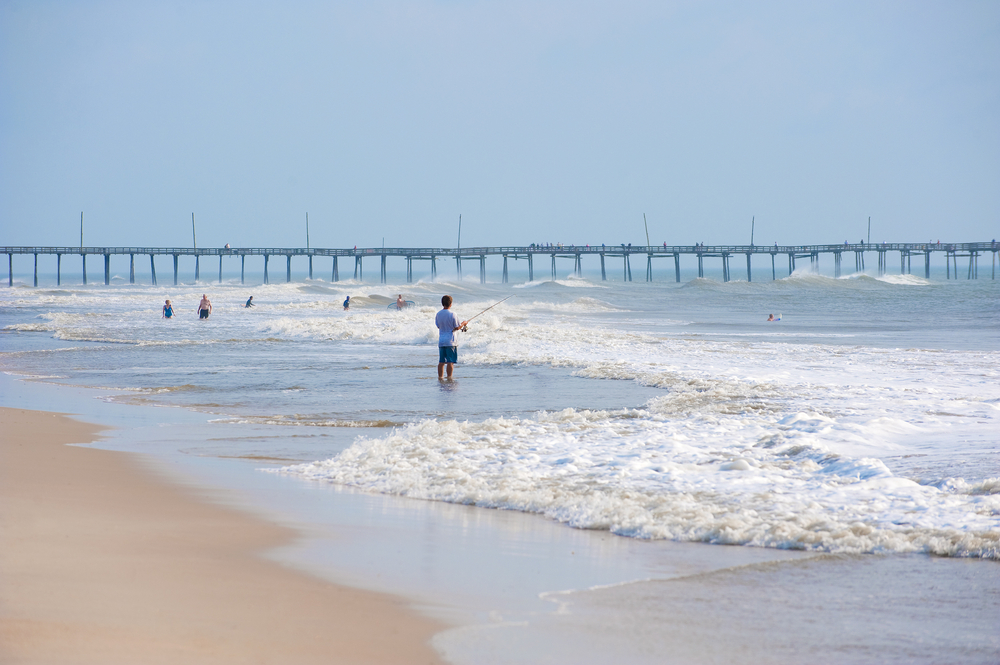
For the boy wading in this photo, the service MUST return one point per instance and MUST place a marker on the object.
(447, 324)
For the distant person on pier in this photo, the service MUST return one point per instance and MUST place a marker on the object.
(168, 310)
(347, 303)
(249, 303)
(447, 324)
(204, 307)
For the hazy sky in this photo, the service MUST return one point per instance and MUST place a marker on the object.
(536, 121)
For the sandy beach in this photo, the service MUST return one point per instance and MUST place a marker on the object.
(104, 562)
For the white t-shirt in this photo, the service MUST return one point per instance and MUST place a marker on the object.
(446, 321)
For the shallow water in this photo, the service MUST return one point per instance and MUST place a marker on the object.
(864, 422)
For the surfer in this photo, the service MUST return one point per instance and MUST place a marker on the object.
(347, 303)
(447, 323)
(204, 307)
(400, 303)
(168, 310)
(249, 303)
(770, 317)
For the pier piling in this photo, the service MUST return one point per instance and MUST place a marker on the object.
(288, 268)
(58, 269)
(175, 269)
(267, 258)
(336, 273)
(36, 269)
(152, 270)
(131, 268)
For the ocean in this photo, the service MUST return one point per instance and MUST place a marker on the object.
(644, 423)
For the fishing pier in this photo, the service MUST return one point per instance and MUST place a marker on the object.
(967, 253)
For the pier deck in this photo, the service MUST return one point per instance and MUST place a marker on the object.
(794, 253)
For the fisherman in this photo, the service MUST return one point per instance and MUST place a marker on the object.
(447, 323)
(204, 307)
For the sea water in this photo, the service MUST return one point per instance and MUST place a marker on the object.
(864, 422)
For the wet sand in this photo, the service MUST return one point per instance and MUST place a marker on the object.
(105, 562)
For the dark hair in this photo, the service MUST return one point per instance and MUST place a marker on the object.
(446, 301)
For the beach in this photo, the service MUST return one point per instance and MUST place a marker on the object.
(617, 470)
(105, 562)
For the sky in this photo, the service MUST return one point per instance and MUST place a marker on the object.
(535, 121)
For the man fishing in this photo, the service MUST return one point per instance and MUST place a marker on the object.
(447, 324)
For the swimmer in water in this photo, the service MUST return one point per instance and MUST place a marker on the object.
(347, 303)
(249, 303)
(400, 303)
(204, 307)
(770, 317)
(168, 310)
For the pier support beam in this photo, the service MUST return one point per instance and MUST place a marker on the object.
(382, 270)
(836, 264)
(36, 269)
(604, 275)
(627, 267)
(409, 270)
(677, 267)
(434, 268)
(531, 267)
(197, 267)
(107, 269)
(243, 268)
(267, 257)
(175, 270)
(131, 268)
(288, 268)
(649, 267)
(504, 278)
(579, 266)
(10, 270)
(725, 267)
(310, 266)
(749, 278)
(701, 265)
(220, 268)
(458, 267)
(85, 269)
(774, 275)
(553, 267)
(359, 270)
(927, 264)
(58, 269)
(482, 268)
(791, 263)
(335, 276)
(152, 270)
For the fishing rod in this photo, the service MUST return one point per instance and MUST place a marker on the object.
(466, 326)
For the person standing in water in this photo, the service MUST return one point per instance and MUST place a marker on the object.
(249, 303)
(168, 310)
(447, 324)
(400, 303)
(347, 303)
(204, 307)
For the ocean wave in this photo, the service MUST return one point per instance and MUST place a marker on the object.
(633, 475)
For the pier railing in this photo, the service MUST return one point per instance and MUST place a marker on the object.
(952, 251)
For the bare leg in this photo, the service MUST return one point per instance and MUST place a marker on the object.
(451, 369)
(441, 371)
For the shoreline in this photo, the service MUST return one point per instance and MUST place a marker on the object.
(105, 562)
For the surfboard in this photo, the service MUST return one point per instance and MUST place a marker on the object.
(409, 303)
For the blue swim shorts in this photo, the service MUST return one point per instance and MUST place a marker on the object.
(447, 354)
